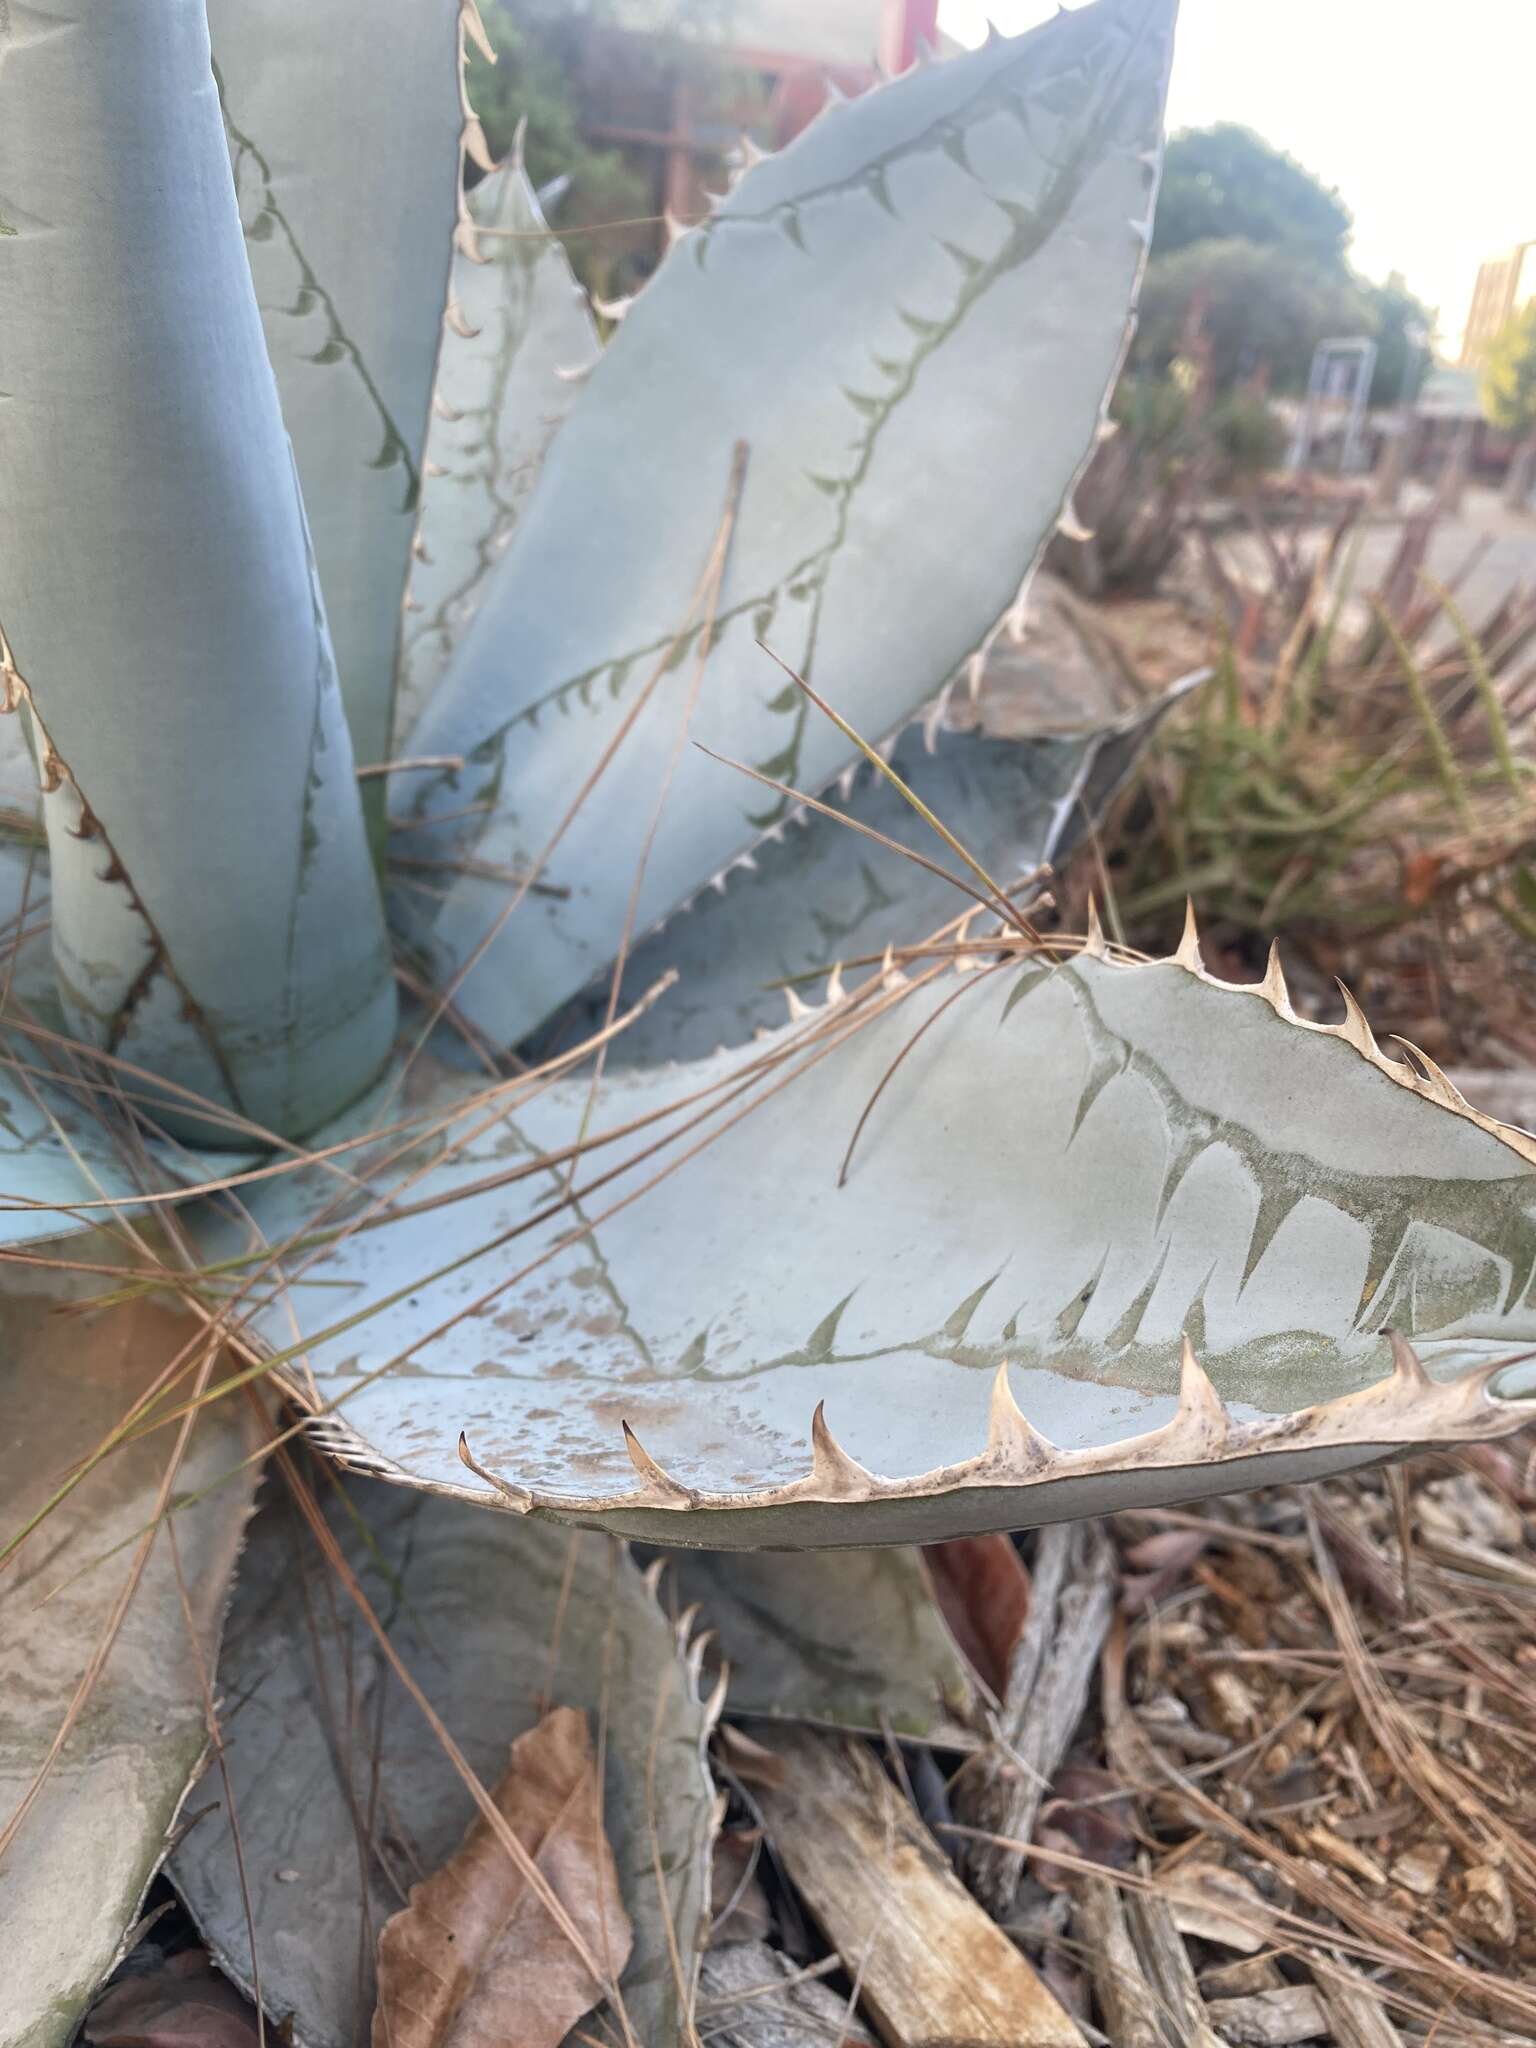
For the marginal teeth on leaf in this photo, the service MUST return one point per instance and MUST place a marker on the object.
(1273, 986)
(1407, 1367)
(1012, 1439)
(1070, 526)
(443, 409)
(1188, 954)
(475, 146)
(658, 1481)
(1200, 1406)
(798, 1010)
(749, 152)
(518, 1498)
(578, 373)
(1094, 944)
(612, 309)
(831, 1467)
(453, 316)
(1355, 1028)
(675, 228)
(846, 780)
(474, 28)
(1142, 230)
(1437, 1080)
(1106, 430)
(835, 989)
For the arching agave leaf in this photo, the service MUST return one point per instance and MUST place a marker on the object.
(346, 124)
(874, 313)
(814, 894)
(73, 1877)
(510, 368)
(495, 1621)
(1159, 1217)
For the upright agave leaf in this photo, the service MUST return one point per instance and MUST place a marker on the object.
(511, 366)
(214, 915)
(911, 318)
(1161, 1218)
(495, 1621)
(74, 1874)
(346, 123)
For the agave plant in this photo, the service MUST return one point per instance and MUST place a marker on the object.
(984, 1236)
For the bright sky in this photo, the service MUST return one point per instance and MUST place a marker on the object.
(1423, 116)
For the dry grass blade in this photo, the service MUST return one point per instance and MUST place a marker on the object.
(883, 767)
(475, 1959)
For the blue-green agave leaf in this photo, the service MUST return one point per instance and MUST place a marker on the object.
(346, 125)
(911, 318)
(495, 1620)
(1163, 1217)
(213, 910)
(511, 366)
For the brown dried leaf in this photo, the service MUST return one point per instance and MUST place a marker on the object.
(982, 1589)
(476, 1960)
(183, 2004)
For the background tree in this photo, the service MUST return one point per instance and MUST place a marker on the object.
(1508, 393)
(1255, 246)
(1226, 184)
(1260, 309)
(540, 77)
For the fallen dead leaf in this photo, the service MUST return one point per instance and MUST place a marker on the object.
(183, 2004)
(982, 1588)
(476, 1959)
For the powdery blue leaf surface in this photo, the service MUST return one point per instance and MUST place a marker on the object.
(495, 1619)
(345, 128)
(1160, 1216)
(72, 1880)
(511, 366)
(911, 318)
(214, 914)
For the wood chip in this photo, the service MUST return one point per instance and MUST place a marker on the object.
(1420, 1869)
(1217, 1904)
(1354, 2008)
(751, 1996)
(1130, 2011)
(1165, 1959)
(1486, 1909)
(932, 1967)
(1071, 1605)
(1271, 2019)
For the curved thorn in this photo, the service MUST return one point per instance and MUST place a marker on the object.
(1070, 526)
(1273, 987)
(835, 990)
(798, 1009)
(1356, 1028)
(1012, 1438)
(517, 1498)
(831, 1466)
(658, 1481)
(1200, 1406)
(1188, 954)
(1094, 946)
(1439, 1082)
(750, 152)
(453, 316)
(675, 228)
(612, 309)
(1407, 1367)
